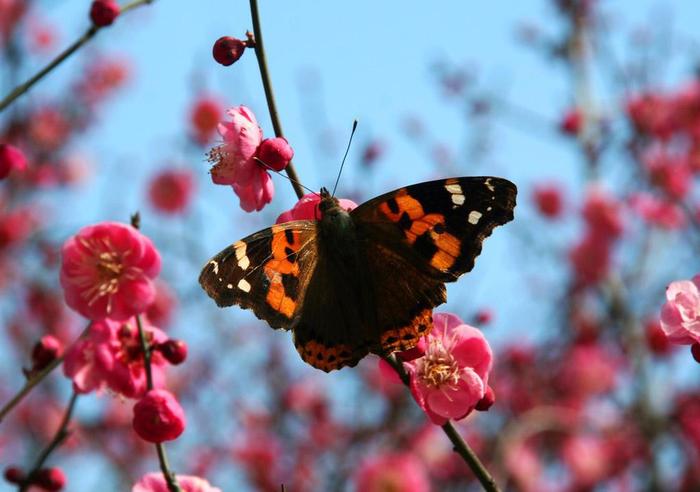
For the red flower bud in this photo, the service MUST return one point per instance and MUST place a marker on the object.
(158, 417)
(174, 351)
(695, 350)
(483, 316)
(657, 341)
(103, 12)
(275, 153)
(14, 474)
(46, 350)
(51, 479)
(228, 50)
(11, 158)
(487, 401)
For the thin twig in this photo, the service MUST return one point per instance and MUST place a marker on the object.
(269, 94)
(87, 36)
(168, 475)
(34, 380)
(61, 435)
(460, 446)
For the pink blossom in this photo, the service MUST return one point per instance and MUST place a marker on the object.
(275, 153)
(11, 160)
(307, 208)
(669, 171)
(396, 472)
(155, 482)
(680, 315)
(170, 191)
(452, 376)
(234, 163)
(107, 270)
(110, 356)
(158, 417)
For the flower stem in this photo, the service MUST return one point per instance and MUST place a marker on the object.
(61, 435)
(168, 475)
(28, 386)
(36, 379)
(460, 446)
(269, 94)
(87, 36)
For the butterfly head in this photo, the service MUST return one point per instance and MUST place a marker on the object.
(329, 205)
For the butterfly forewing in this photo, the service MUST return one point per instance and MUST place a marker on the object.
(265, 272)
(439, 225)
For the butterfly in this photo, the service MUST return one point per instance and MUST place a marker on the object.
(366, 280)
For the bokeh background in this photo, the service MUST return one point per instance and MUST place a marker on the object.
(456, 88)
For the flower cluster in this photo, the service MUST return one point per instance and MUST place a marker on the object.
(244, 158)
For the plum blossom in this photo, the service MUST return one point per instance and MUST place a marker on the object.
(234, 160)
(155, 482)
(158, 417)
(107, 270)
(306, 208)
(452, 377)
(110, 357)
(680, 315)
(396, 472)
(205, 114)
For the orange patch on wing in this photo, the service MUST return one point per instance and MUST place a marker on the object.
(405, 203)
(406, 337)
(326, 358)
(448, 250)
(422, 225)
(278, 300)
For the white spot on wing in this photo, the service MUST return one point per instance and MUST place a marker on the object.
(244, 285)
(458, 199)
(455, 189)
(241, 257)
(216, 266)
(229, 286)
(489, 185)
(474, 217)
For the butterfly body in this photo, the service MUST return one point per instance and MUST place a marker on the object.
(366, 280)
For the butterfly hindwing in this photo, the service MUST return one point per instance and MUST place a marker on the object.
(439, 225)
(266, 272)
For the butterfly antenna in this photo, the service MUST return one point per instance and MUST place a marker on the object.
(354, 127)
(285, 176)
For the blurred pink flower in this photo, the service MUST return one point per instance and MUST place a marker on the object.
(669, 171)
(395, 472)
(11, 160)
(170, 191)
(602, 213)
(452, 376)
(107, 270)
(233, 161)
(680, 315)
(110, 356)
(205, 114)
(158, 417)
(590, 258)
(306, 208)
(570, 123)
(658, 212)
(160, 311)
(549, 200)
(588, 458)
(154, 482)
